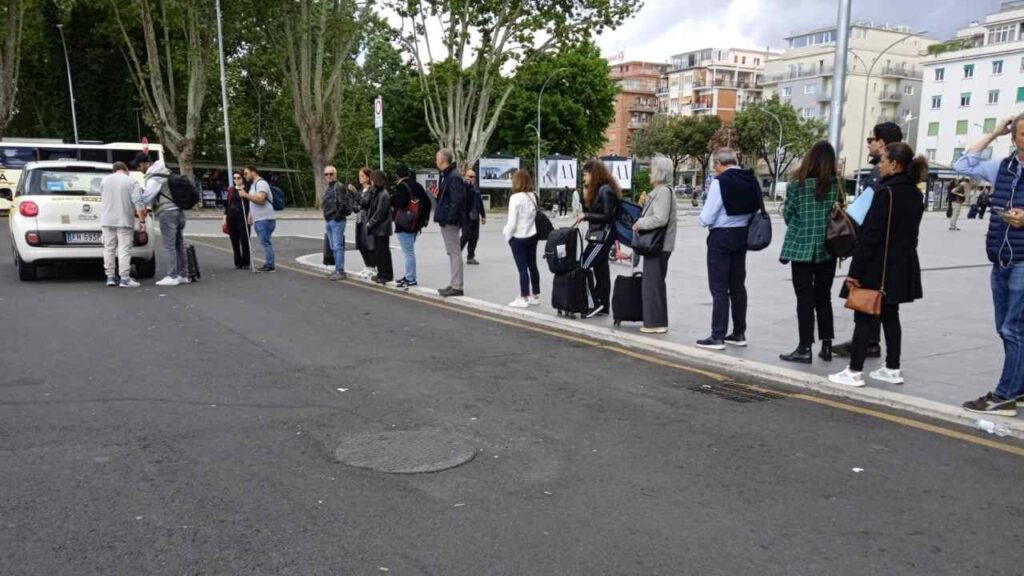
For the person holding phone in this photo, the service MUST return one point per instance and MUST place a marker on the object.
(1004, 244)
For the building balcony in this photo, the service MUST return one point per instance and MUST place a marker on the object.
(825, 97)
(798, 74)
(895, 97)
(700, 107)
(635, 124)
(901, 72)
(642, 107)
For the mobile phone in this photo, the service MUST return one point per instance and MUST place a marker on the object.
(997, 210)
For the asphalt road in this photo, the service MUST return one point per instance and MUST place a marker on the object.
(191, 430)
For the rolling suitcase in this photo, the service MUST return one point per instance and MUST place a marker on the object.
(562, 250)
(570, 292)
(192, 264)
(973, 212)
(627, 299)
(328, 253)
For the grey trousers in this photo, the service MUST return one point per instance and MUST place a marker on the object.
(172, 238)
(453, 247)
(654, 291)
(117, 245)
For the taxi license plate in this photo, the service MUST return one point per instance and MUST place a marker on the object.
(83, 237)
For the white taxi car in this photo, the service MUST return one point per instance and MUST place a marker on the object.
(54, 218)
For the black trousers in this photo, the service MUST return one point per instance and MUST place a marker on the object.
(865, 326)
(727, 280)
(382, 258)
(239, 234)
(595, 258)
(366, 252)
(981, 211)
(470, 236)
(812, 282)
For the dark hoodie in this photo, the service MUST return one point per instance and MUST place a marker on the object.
(741, 194)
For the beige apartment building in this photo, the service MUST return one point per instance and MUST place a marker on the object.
(717, 82)
(635, 105)
(883, 82)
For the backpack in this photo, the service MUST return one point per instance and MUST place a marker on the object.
(841, 233)
(277, 197)
(184, 193)
(407, 219)
(562, 249)
(425, 206)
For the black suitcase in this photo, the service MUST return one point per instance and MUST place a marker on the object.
(627, 299)
(192, 263)
(328, 253)
(570, 292)
(562, 250)
(973, 212)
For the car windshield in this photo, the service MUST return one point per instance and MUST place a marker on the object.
(64, 181)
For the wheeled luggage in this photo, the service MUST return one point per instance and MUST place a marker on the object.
(562, 250)
(192, 263)
(328, 253)
(627, 299)
(571, 292)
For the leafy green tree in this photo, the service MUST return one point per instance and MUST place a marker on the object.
(460, 70)
(677, 137)
(757, 132)
(699, 138)
(577, 105)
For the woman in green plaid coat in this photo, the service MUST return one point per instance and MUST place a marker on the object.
(810, 196)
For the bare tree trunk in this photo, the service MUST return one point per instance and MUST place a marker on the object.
(154, 79)
(10, 61)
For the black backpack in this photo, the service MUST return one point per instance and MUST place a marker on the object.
(184, 192)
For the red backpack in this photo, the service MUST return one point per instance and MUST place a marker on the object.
(407, 219)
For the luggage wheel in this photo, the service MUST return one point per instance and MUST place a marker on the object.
(617, 323)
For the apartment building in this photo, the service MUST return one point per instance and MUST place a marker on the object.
(976, 81)
(718, 82)
(883, 81)
(635, 105)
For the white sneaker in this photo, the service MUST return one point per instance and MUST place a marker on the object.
(364, 273)
(128, 282)
(887, 375)
(519, 303)
(184, 280)
(848, 378)
(168, 281)
(533, 300)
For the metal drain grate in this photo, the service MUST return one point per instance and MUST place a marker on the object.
(737, 392)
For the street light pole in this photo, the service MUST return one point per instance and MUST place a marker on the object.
(539, 96)
(835, 119)
(71, 88)
(867, 82)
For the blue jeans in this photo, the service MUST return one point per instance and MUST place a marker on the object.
(265, 229)
(1008, 298)
(524, 251)
(407, 240)
(336, 236)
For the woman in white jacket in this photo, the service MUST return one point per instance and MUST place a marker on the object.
(521, 233)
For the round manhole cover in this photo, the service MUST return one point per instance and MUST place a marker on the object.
(408, 452)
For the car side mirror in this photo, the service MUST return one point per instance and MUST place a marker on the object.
(6, 194)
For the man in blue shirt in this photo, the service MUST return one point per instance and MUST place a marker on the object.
(1005, 247)
(733, 198)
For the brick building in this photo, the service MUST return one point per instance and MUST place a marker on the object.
(635, 105)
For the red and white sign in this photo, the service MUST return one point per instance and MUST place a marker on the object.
(378, 113)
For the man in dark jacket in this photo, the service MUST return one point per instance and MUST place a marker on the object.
(337, 206)
(883, 134)
(477, 216)
(733, 198)
(451, 214)
(1005, 247)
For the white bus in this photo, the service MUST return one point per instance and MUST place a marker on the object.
(15, 153)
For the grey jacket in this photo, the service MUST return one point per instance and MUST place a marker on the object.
(122, 198)
(660, 210)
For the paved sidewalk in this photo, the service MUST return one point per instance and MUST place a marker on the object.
(951, 352)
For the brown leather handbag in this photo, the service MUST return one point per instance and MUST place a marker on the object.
(869, 301)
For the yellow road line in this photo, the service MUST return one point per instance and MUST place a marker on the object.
(900, 420)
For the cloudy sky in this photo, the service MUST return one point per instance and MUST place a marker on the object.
(666, 27)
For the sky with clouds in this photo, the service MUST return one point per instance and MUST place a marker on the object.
(666, 27)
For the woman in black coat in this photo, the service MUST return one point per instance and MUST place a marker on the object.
(894, 220)
(378, 225)
(235, 209)
(601, 197)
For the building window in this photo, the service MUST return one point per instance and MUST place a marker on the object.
(1002, 34)
(993, 96)
(965, 99)
(787, 91)
(957, 153)
(990, 125)
(757, 61)
(936, 102)
(930, 154)
(811, 89)
(997, 67)
(933, 128)
(968, 70)
(961, 127)
(744, 60)
(908, 90)
(940, 73)
(1020, 94)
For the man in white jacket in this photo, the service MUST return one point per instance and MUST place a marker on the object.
(171, 218)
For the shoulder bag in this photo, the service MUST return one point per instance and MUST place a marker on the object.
(649, 242)
(841, 232)
(541, 221)
(759, 231)
(869, 301)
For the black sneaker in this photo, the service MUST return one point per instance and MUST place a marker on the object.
(449, 292)
(266, 268)
(711, 344)
(411, 283)
(992, 404)
(736, 340)
(472, 262)
(402, 283)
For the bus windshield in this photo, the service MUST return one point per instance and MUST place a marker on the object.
(16, 156)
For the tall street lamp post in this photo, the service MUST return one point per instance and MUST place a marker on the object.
(539, 96)
(71, 88)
